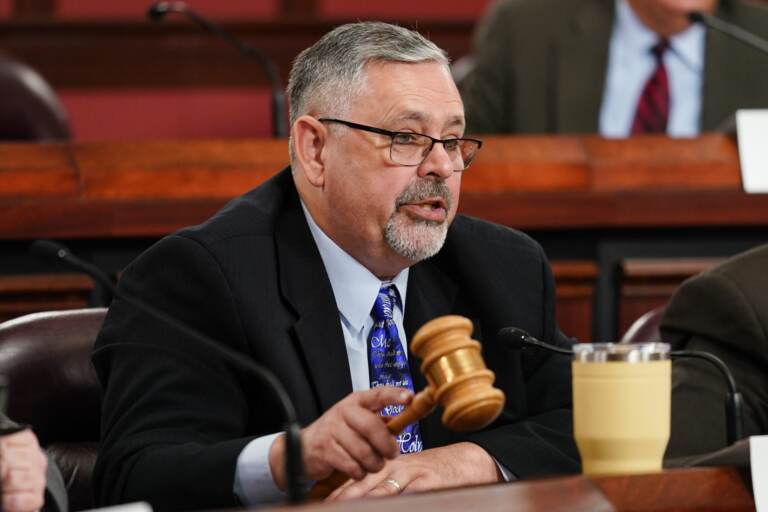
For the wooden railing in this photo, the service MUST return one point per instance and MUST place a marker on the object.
(571, 192)
(150, 188)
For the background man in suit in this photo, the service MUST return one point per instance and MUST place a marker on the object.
(295, 275)
(588, 68)
(30, 482)
(723, 311)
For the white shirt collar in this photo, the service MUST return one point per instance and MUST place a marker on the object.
(354, 286)
(687, 45)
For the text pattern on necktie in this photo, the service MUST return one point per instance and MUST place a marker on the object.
(387, 363)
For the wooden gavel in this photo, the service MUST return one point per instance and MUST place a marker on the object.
(457, 379)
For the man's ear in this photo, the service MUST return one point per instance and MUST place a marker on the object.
(309, 138)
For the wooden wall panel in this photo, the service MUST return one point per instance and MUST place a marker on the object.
(176, 53)
(179, 181)
(162, 113)
(24, 294)
(131, 9)
(652, 162)
(34, 171)
(6, 9)
(575, 282)
(402, 9)
(647, 283)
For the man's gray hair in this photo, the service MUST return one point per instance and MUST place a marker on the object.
(329, 74)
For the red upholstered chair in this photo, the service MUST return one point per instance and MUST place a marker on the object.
(645, 328)
(29, 109)
(52, 386)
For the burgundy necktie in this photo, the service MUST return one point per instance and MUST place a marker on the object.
(653, 107)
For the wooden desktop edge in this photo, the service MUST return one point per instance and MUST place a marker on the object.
(679, 490)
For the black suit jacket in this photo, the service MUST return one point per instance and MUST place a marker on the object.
(540, 67)
(725, 312)
(175, 418)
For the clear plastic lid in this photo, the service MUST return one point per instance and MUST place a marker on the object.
(626, 352)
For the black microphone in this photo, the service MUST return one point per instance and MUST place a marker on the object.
(517, 338)
(52, 251)
(729, 29)
(103, 284)
(157, 12)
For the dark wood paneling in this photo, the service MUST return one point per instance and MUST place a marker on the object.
(150, 188)
(647, 283)
(24, 294)
(293, 8)
(575, 281)
(34, 9)
(118, 55)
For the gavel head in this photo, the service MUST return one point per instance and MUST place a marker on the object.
(456, 373)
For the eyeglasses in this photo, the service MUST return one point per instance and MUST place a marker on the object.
(411, 149)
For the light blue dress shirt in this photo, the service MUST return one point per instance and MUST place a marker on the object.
(355, 289)
(631, 64)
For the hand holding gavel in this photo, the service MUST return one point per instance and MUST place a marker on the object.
(457, 380)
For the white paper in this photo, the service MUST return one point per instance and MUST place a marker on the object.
(752, 130)
(758, 456)
(138, 506)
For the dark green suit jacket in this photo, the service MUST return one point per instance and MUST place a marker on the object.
(725, 312)
(540, 67)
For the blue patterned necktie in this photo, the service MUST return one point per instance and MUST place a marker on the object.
(387, 363)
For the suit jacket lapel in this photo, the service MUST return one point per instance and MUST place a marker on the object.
(305, 285)
(580, 60)
(431, 293)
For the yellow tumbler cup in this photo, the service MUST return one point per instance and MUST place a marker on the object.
(621, 406)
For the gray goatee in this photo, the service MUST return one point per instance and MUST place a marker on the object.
(417, 239)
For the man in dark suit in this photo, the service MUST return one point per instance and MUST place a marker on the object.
(579, 66)
(723, 311)
(292, 274)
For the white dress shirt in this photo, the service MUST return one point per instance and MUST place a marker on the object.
(355, 289)
(631, 64)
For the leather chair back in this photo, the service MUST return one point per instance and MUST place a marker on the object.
(29, 109)
(646, 328)
(52, 386)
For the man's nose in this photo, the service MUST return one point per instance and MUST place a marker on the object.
(437, 163)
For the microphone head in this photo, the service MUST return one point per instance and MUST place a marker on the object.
(48, 250)
(158, 10)
(695, 17)
(513, 337)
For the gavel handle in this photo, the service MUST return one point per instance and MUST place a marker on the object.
(421, 405)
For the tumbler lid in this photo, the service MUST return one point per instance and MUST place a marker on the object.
(626, 352)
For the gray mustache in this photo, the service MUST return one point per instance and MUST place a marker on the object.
(423, 189)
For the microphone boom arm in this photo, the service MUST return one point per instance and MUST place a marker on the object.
(294, 463)
(158, 10)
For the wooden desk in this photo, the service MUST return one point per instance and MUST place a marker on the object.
(682, 490)
(591, 202)
(123, 189)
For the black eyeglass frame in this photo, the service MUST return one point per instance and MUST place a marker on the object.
(391, 134)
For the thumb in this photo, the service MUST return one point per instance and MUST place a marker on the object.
(375, 399)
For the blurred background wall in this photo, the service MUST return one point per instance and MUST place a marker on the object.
(121, 76)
